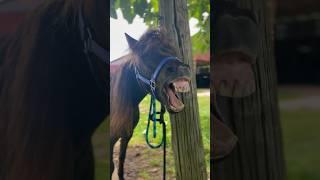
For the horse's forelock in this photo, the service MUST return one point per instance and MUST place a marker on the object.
(154, 42)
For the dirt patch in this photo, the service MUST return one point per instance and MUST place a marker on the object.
(143, 163)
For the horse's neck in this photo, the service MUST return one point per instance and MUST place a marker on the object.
(137, 91)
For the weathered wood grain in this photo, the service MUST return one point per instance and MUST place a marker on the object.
(255, 119)
(186, 134)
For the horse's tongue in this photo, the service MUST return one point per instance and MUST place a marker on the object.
(174, 101)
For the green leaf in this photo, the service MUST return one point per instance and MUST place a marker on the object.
(113, 12)
(149, 12)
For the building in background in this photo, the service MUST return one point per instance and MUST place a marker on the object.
(202, 62)
(297, 37)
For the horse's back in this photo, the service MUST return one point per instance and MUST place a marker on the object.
(117, 64)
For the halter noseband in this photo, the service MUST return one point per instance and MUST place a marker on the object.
(152, 81)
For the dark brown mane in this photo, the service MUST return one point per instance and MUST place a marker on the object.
(154, 41)
(49, 103)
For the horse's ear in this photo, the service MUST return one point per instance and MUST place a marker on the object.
(131, 41)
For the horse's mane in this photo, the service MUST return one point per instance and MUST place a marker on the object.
(154, 42)
(34, 86)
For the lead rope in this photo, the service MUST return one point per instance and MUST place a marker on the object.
(153, 117)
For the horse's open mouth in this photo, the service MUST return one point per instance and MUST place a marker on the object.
(173, 90)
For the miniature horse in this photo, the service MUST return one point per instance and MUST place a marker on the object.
(51, 101)
(127, 91)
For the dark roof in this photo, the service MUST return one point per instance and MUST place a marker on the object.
(202, 58)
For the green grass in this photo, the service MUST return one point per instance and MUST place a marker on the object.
(204, 111)
(139, 138)
(100, 152)
(302, 144)
(301, 139)
(139, 132)
(287, 94)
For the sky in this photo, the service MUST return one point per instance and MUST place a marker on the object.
(118, 43)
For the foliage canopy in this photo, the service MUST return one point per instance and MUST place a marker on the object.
(148, 10)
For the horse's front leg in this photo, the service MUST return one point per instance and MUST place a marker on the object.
(112, 143)
(122, 156)
(124, 143)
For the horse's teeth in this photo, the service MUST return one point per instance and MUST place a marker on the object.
(181, 86)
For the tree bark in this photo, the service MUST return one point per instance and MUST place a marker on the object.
(186, 134)
(108, 149)
(255, 119)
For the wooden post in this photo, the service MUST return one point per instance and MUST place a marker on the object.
(255, 119)
(186, 134)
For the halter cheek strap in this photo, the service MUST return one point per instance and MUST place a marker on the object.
(152, 81)
(90, 45)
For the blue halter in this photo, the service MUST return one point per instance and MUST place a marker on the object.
(152, 81)
(153, 110)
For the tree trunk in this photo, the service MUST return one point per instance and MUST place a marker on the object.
(108, 148)
(255, 119)
(186, 134)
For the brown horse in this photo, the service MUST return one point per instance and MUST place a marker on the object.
(51, 102)
(127, 91)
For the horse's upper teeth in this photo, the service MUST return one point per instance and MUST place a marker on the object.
(181, 86)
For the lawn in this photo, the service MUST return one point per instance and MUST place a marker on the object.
(301, 138)
(138, 143)
(301, 144)
(204, 111)
(100, 152)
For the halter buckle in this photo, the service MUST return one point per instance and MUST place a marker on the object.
(152, 84)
